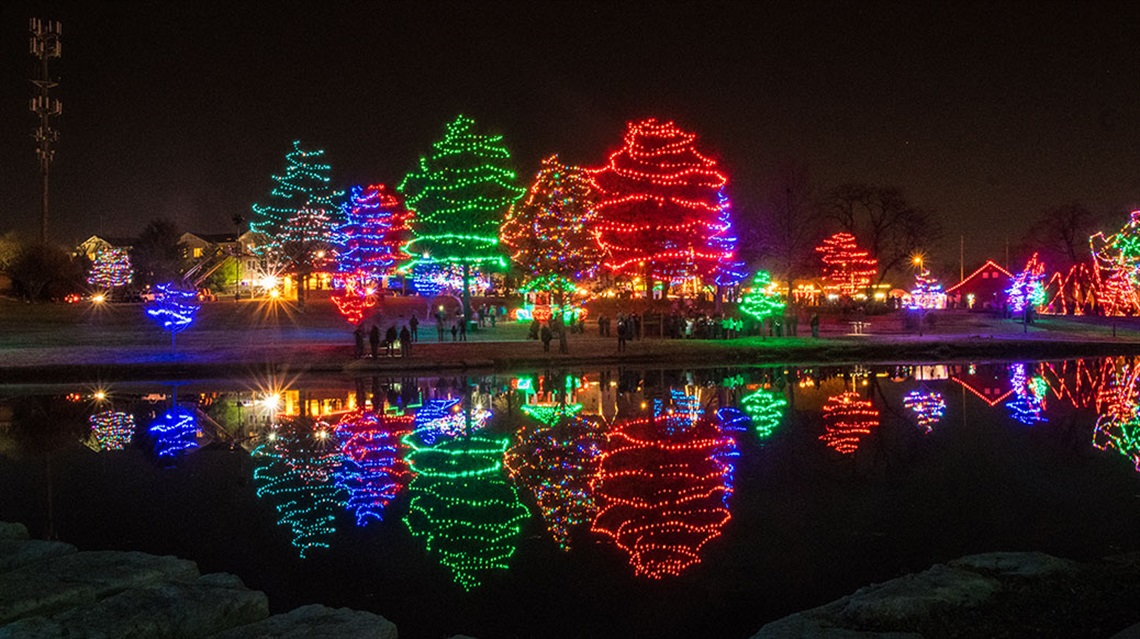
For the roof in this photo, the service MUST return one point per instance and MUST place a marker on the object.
(989, 263)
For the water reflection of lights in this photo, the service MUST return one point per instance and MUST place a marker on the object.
(847, 419)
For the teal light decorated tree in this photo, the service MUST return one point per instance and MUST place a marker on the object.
(305, 184)
(763, 300)
(294, 471)
(550, 233)
(556, 458)
(459, 194)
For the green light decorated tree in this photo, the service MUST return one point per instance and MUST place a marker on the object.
(550, 233)
(305, 184)
(763, 300)
(459, 195)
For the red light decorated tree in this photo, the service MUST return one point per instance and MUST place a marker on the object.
(661, 213)
(663, 487)
(847, 419)
(372, 473)
(847, 269)
(550, 232)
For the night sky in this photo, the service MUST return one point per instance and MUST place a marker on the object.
(984, 112)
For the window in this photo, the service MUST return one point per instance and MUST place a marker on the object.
(197, 252)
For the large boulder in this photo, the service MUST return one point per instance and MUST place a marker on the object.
(49, 586)
(10, 530)
(21, 552)
(1018, 564)
(174, 610)
(316, 622)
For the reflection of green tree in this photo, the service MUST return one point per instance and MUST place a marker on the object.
(766, 409)
(463, 508)
(556, 460)
(295, 473)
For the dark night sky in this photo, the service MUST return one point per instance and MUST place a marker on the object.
(983, 112)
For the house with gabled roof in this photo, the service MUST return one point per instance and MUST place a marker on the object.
(983, 289)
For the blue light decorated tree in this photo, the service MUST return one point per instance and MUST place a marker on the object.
(174, 432)
(305, 184)
(295, 471)
(371, 240)
(173, 308)
(459, 194)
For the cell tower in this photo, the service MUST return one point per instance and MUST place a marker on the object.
(45, 45)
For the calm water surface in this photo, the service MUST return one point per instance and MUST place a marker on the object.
(570, 503)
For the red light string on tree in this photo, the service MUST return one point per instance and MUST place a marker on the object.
(661, 212)
(376, 227)
(111, 268)
(662, 489)
(1118, 409)
(373, 472)
(847, 419)
(847, 269)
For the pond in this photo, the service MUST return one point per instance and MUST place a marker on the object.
(570, 503)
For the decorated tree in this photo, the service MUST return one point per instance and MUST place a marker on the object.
(111, 268)
(372, 472)
(111, 430)
(358, 295)
(306, 184)
(730, 271)
(1027, 291)
(174, 432)
(295, 471)
(763, 300)
(550, 232)
(376, 228)
(663, 486)
(928, 407)
(847, 269)
(556, 459)
(847, 419)
(927, 292)
(1028, 404)
(306, 244)
(766, 409)
(1118, 409)
(173, 308)
(459, 195)
(661, 213)
(461, 505)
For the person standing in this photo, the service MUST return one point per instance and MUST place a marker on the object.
(462, 329)
(621, 333)
(414, 323)
(439, 324)
(455, 332)
(405, 341)
(374, 340)
(358, 337)
(563, 346)
(814, 324)
(492, 313)
(390, 340)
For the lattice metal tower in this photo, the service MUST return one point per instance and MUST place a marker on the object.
(45, 45)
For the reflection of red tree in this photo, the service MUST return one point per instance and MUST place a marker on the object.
(373, 472)
(846, 421)
(663, 492)
(1118, 412)
(1077, 381)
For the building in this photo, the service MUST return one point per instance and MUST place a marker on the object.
(983, 289)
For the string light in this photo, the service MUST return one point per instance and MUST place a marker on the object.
(556, 461)
(847, 269)
(1118, 414)
(662, 212)
(1027, 290)
(927, 292)
(372, 473)
(357, 296)
(305, 184)
(766, 410)
(295, 471)
(111, 268)
(173, 308)
(663, 486)
(459, 194)
(306, 240)
(376, 227)
(461, 506)
(174, 432)
(550, 232)
(112, 430)
(1029, 401)
(847, 419)
(928, 407)
(1117, 261)
(763, 300)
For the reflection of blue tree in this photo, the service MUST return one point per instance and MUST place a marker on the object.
(173, 308)
(766, 409)
(372, 473)
(1029, 403)
(556, 460)
(463, 508)
(295, 472)
(928, 407)
(174, 432)
(445, 418)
